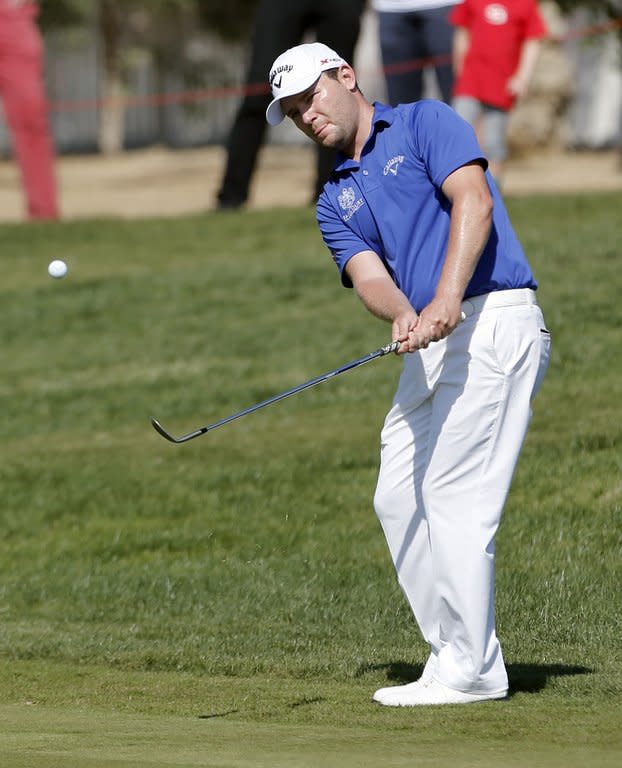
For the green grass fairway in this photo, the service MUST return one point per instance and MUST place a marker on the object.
(231, 602)
(79, 739)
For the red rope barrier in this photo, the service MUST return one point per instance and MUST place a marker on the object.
(207, 94)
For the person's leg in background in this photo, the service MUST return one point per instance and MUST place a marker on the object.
(278, 26)
(402, 52)
(26, 111)
(490, 125)
(471, 110)
(495, 127)
(438, 40)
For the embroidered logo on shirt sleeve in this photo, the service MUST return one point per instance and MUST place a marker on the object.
(348, 202)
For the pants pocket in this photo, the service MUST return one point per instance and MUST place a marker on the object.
(545, 358)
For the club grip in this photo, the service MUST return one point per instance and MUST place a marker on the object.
(392, 347)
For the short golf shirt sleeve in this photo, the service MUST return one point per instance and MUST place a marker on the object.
(342, 241)
(458, 146)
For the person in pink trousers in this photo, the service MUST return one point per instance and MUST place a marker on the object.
(25, 105)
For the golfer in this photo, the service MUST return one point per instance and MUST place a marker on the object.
(416, 226)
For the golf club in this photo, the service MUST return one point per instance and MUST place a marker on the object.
(393, 347)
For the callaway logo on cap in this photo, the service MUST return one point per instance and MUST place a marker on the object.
(296, 70)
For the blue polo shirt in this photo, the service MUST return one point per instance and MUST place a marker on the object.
(391, 203)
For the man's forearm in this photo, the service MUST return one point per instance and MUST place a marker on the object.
(382, 298)
(470, 230)
(471, 221)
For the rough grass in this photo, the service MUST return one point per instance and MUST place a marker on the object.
(243, 578)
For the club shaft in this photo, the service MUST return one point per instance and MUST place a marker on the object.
(295, 390)
(281, 396)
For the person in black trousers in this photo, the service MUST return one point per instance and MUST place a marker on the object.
(280, 25)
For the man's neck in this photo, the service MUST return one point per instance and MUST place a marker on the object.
(364, 130)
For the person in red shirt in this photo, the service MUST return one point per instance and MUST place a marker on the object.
(25, 105)
(496, 46)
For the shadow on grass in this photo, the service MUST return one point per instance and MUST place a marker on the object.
(531, 678)
(526, 678)
(211, 715)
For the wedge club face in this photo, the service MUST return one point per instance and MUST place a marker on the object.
(167, 435)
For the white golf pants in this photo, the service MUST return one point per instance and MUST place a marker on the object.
(449, 447)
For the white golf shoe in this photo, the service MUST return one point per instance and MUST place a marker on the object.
(429, 692)
(394, 694)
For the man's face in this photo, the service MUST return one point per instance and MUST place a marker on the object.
(326, 112)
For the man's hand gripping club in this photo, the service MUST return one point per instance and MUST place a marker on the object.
(435, 322)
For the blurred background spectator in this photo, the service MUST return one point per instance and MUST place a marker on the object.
(278, 26)
(411, 31)
(496, 46)
(131, 74)
(25, 105)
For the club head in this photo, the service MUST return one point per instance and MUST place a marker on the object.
(160, 429)
(167, 435)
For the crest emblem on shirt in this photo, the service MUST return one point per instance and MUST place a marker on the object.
(346, 198)
(496, 14)
(348, 202)
(393, 165)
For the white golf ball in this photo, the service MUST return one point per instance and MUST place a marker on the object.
(57, 268)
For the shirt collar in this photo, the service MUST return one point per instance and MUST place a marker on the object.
(383, 115)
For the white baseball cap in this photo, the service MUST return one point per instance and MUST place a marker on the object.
(296, 70)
